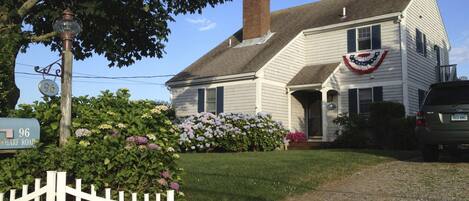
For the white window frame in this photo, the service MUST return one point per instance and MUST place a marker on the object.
(206, 99)
(358, 97)
(357, 37)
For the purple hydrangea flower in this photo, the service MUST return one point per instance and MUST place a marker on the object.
(174, 186)
(141, 140)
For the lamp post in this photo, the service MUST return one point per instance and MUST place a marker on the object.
(68, 27)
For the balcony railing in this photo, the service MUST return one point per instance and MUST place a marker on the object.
(447, 73)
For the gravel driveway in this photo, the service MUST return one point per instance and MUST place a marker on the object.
(400, 181)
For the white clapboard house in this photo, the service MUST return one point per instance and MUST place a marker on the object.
(307, 64)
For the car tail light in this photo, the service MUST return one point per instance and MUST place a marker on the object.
(421, 119)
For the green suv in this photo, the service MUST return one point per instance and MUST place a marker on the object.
(443, 119)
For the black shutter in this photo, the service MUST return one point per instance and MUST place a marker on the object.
(376, 38)
(421, 97)
(351, 40)
(418, 40)
(377, 94)
(352, 101)
(424, 45)
(201, 101)
(220, 100)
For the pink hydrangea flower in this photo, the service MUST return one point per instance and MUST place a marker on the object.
(166, 174)
(153, 147)
(174, 186)
(162, 182)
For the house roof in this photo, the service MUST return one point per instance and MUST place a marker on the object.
(286, 24)
(313, 74)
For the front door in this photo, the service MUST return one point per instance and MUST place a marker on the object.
(315, 119)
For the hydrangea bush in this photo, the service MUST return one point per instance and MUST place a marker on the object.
(118, 143)
(231, 132)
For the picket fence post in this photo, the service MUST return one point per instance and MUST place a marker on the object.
(158, 197)
(78, 188)
(121, 196)
(12, 194)
(61, 184)
(170, 195)
(51, 179)
(37, 186)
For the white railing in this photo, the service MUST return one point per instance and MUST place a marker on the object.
(447, 73)
(56, 188)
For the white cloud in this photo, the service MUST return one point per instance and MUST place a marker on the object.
(203, 24)
(460, 52)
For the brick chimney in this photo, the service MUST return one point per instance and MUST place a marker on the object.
(256, 18)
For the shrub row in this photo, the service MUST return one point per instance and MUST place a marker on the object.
(206, 132)
(386, 127)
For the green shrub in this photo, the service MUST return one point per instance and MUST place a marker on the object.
(353, 132)
(206, 132)
(386, 127)
(117, 143)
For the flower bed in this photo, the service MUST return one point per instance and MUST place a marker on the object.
(296, 137)
(206, 132)
(118, 143)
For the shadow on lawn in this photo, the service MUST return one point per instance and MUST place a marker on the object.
(409, 156)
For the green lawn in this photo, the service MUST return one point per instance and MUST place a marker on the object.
(273, 175)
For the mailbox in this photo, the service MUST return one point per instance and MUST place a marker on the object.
(18, 133)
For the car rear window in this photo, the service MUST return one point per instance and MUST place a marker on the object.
(448, 96)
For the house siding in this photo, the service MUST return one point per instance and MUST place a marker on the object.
(275, 102)
(238, 98)
(297, 115)
(422, 70)
(331, 46)
(283, 67)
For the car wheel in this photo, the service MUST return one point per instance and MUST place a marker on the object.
(454, 151)
(430, 153)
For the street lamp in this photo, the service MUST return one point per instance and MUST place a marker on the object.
(68, 27)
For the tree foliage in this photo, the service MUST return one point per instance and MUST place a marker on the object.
(123, 31)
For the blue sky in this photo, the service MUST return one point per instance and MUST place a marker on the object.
(192, 36)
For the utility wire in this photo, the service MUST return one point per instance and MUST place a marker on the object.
(106, 77)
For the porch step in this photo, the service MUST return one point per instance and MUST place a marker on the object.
(306, 145)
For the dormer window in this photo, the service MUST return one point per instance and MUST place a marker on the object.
(364, 38)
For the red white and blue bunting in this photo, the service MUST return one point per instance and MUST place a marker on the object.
(365, 62)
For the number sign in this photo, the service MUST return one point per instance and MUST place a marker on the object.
(18, 133)
(48, 88)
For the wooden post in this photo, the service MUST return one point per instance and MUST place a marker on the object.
(78, 188)
(37, 186)
(121, 196)
(158, 197)
(134, 196)
(61, 184)
(51, 179)
(170, 195)
(108, 193)
(146, 197)
(12, 194)
(66, 97)
(24, 191)
(1, 196)
(93, 190)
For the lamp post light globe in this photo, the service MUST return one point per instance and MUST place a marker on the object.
(68, 27)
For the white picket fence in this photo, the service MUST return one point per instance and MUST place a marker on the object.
(56, 189)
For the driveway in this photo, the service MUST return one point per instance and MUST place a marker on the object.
(400, 181)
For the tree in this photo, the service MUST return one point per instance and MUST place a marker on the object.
(122, 30)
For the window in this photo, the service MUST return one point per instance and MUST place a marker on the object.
(421, 43)
(211, 101)
(364, 38)
(361, 99)
(365, 98)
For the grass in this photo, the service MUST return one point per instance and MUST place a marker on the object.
(272, 175)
